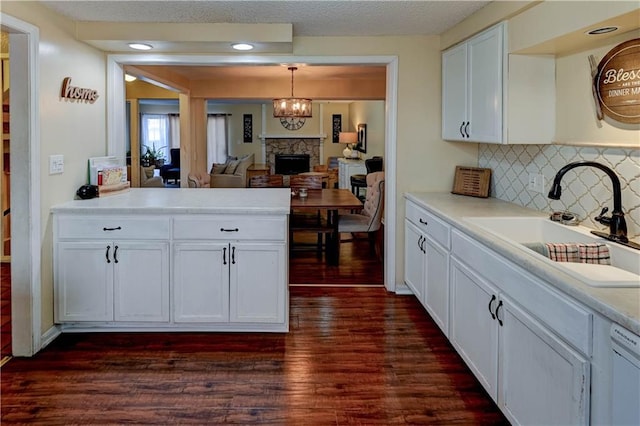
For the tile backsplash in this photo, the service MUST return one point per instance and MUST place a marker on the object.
(585, 190)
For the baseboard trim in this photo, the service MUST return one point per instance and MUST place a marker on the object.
(49, 336)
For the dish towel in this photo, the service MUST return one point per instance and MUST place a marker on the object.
(595, 253)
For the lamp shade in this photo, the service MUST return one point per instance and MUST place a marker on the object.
(348, 137)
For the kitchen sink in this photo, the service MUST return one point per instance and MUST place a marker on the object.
(522, 232)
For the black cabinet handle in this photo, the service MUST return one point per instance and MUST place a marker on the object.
(493, 299)
(424, 240)
(115, 254)
(420, 242)
(422, 221)
(229, 230)
(497, 315)
(106, 254)
(461, 126)
(233, 255)
(112, 229)
(466, 129)
(224, 255)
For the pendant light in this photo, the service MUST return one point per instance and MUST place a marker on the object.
(292, 107)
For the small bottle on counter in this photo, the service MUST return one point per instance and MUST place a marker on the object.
(99, 177)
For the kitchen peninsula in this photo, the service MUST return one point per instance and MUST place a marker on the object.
(183, 260)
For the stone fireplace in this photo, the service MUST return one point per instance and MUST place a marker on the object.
(309, 146)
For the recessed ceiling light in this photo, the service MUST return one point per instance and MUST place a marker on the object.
(129, 78)
(602, 30)
(140, 46)
(242, 46)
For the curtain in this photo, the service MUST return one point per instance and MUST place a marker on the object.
(217, 147)
(174, 130)
(155, 135)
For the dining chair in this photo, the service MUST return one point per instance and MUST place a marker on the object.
(369, 219)
(305, 181)
(373, 164)
(267, 181)
(304, 220)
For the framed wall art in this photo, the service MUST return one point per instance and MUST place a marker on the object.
(362, 138)
(336, 126)
(247, 128)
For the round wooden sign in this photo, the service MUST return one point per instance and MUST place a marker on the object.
(618, 82)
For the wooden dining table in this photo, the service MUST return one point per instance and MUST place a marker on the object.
(330, 200)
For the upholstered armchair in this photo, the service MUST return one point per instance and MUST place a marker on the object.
(172, 170)
(147, 178)
(233, 174)
(198, 180)
(369, 219)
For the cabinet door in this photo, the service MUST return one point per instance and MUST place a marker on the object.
(485, 59)
(258, 287)
(437, 283)
(542, 380)
(473, 331)
(414, 260)
(454, 92)
(201, 282)
(84, 281)
(141, 281)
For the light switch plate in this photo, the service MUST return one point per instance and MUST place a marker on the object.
(56, 164)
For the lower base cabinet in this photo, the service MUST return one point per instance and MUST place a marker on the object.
(106, 281)
(229, 282)
(533, 376)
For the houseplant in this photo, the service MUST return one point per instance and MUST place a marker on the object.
(152, 156)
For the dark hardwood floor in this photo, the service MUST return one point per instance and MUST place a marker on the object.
(353, 356)
(357, 266)
(5, 310)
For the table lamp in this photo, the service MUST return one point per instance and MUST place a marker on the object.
(349, 138)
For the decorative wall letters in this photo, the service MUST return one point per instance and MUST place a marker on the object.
(77, 93)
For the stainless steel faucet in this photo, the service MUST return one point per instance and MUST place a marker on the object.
(616, 222)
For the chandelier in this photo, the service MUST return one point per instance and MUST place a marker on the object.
(292, 107)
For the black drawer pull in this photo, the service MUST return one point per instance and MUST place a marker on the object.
(493, 299)
(422, 221)
(497, 313)
(112, 229)
(229, 230)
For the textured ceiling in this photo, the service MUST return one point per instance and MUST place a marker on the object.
(309, 18)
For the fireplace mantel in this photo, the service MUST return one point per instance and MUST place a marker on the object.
(264, 136)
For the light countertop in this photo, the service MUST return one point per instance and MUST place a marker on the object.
(620, 305)
(186, 201)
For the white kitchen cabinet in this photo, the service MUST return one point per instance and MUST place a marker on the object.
(427, 262)
(533, 376)
(229, 282)
(347, 168)
(472, 88)
(230, 269)
(154, 260)
(201, 282)
(84, 282)
(414, 259)
(256, 290)
(542, 380)
(492, 96)
(112, 281)
(111, 269)
(141, 281)
(474, 331)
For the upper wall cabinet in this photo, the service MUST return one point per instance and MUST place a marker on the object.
(491, 97)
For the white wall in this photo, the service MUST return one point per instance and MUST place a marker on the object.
(75, 130)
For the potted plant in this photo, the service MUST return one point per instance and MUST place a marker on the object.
(152, 156)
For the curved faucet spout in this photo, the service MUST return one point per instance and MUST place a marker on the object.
(617, 223)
